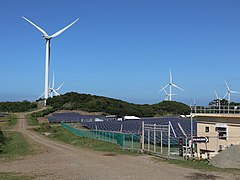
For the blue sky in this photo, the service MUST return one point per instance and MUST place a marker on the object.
(122, 49)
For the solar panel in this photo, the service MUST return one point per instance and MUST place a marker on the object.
(131, 126)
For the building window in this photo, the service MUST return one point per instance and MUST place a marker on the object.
(206, 129)
(222, 132)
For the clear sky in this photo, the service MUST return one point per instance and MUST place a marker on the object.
(122, 48)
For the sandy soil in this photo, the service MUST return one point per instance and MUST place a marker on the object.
(61, 161)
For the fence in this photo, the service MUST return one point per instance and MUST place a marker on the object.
(124, 140)
(216, 109)
(158, 140)
(155, 139)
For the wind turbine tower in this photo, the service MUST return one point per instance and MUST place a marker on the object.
(218, 101)
(47, 38)
(171, 84)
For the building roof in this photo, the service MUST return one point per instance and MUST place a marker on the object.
(131, 118)
(218, 120)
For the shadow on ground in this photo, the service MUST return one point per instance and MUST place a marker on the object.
(198, 176)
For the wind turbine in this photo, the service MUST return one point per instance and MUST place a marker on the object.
(170, 84)
(219, 100)
(52, 90)
(167, 95)
(47, 38)
(228, 93)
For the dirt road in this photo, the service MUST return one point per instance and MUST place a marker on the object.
(61, 161)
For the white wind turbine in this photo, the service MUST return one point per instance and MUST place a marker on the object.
(218, 100)
(48, 38)
(52, 90)
(228, 93)
(167, 95)
(170, 84)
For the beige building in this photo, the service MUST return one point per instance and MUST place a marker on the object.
(221, 132)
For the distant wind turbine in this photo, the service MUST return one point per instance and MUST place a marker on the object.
(48, 38)
(228, 93)
(167, 95)
(170, 84)
(218, 100)
(51, 90)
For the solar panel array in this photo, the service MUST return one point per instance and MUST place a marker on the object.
(130, 126)
(135, 126)
(72, 117)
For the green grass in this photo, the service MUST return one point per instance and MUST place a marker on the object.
(14, 176)
(15, 147)
(61, 134)
(8, 121)
(200, 165)
(12, 120)
(31, 121)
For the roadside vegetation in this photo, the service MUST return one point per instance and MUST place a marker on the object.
(12, 120)
(32, 118)
(14, 146)
(14, 176)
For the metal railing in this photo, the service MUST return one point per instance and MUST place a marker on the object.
(216, 109)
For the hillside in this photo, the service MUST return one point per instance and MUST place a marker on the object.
(92, 103)
(17, 106)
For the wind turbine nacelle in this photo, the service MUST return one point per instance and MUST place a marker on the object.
(46, 37)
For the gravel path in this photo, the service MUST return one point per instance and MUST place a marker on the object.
(62, 161)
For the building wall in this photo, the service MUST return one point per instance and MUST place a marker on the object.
(215, 144)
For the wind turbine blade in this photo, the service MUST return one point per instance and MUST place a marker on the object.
(225, 95)
(177, 87)
(165, 91)
(216, 94)
(35, 26)
(55, 92)
(53, 81)
(234, 92)
(163, 88)
(170, 76)
(227, 86)
(41, 95)
(59, 32)
(59, 86)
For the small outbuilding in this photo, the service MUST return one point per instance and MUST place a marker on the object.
(220, 132)
(127, 118)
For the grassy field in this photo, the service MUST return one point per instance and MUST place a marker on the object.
(8, 121)
(60, 134)
(12, 120)
(31, 121)
(16, 146)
